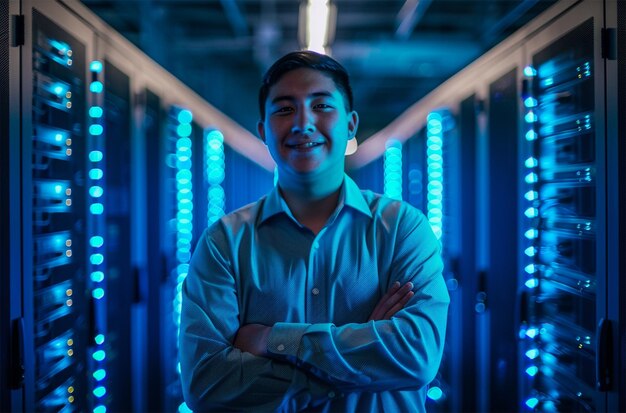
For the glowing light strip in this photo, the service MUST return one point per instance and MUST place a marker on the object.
(393, 169)
(317, 19)
(531, 233)
(96, 240)
(214, 174)
(434, 166)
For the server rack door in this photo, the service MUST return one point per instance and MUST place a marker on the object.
(566, 278)
(502, 271)
(55, 219)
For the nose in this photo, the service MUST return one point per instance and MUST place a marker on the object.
(303, 122)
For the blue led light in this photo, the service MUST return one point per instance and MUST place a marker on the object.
(530, 71)
(96, 191)
(531, 212)
(531, 233)
(95, 112)
(183, 408)
(95, 156)
(531, 195)
(532, 353)
(100, 409)
(96, 259)
(531, 162)
(99, 391)
(530, 117)
(184, 116)
(183, 130)
(532, 283)
(99, 339)
(530, 102)
(96, 130)
(531, 178)
(99, 355)
(95, 66)
(530, 251)
(95, 174)
(532, 332)
(530, 268)
(96, 209)
(96, 241)
(99, 374)
(97, 293)
(532, 402)
(96, 87)
(532, 371)
(434, 162)
(97, 276)
(434, 393)
(58, 90)
(531, 135)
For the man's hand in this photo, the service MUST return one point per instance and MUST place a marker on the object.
(253, 339)
(392, 302)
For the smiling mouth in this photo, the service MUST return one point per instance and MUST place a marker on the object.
(305, 145)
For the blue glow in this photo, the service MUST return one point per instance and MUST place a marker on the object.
(58, 90)
(532, 332)
(95, 112)
(96, 87)
(531, 135)
(99, 391)
(95, 156)
(100, 409)
(99, 339)
(531, 195)
(530, 102)
(530, 268)
(96, 241)
(184, 116)
(96, 66)
(96, 259)
(531, 233)
(531, 178)
(184, 176)
(530, 251)
(434, 162)
(96, 209)
(532, 402)
(531, 212)
(61, 47)
(532, 283)
(532, 353)
(531, 162)
(183, 408)
(434, 393)
(532, 370)
(96, 130)
(96, 191)
(58, 137)
(99, 355)
(97, 276)
(95, 174)
(183, 130)
(530, 117)
(530, 71)
(99, 374)
(98, 293)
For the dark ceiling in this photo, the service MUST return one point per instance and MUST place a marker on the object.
(396, 50)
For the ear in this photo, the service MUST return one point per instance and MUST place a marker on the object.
(260, 128)
(353, 124)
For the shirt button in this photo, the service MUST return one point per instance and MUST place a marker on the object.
(280, 347)
(315, 291)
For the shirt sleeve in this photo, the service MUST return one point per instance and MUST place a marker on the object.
(403, 352)
(214, 374)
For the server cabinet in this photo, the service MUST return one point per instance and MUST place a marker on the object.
(565, 332)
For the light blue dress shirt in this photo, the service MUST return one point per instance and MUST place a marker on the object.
(259, 265)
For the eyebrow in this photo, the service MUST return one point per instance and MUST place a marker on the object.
(313, 95)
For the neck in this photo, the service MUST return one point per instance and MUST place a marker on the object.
(312, 203)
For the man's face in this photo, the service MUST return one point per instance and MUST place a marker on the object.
(306, 125)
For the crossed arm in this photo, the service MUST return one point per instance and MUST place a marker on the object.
(253, 338)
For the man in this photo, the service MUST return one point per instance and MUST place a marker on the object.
(320, 296)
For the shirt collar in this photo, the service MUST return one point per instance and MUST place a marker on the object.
(350, 196)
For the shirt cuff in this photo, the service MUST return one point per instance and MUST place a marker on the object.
(284, 340)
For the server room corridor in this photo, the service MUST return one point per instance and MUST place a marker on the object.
(129, 127)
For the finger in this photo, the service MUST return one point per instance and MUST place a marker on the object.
(381, 307)
(397, 296)
(399, 305)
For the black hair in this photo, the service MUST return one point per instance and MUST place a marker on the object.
(308, 60)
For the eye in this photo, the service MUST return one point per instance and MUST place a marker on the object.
(322, 106)
(283, 110)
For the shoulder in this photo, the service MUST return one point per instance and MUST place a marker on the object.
(390, 210)
(233, 223)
